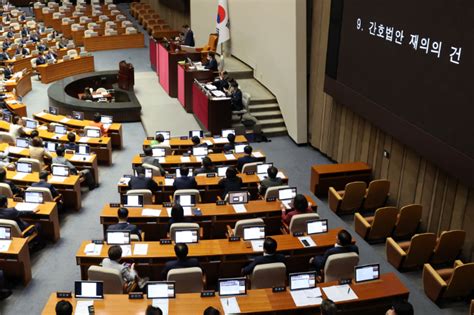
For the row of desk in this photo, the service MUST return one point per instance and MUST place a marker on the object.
(185, 144)
(21, 86)
(62, 69)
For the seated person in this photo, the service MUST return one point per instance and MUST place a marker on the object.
(300, 205)
(247, 158)
(4, 293)
(181, 251)
(71, 145)
(221, 82)
(269, 256)
(16, 127)
(231, 145)
(177, 215)
(43, 182)
(211, 63)
(153, 310)
(97, 123)
(24, 39)
(3, 179)
(34, 36)
(41, 46)
(50, 55)
(13, 214)
(197, 142)
(8, 72)
(40, 60)
(6, 43)
(64, 307)
(123, 225)
(11, 32)
(231, 182)
(142, 182)
(271, 181)
(328, 307)
(25, 31)
(159, 142)
(236, 97)
(62, 43)
(150, 159)
(211, 311)
(87, 96)
(4, 55)
(21, 50)
(185, 181)
(129, 275)
(401, 308)
(60, 159)
(38, 152)
(343, 245)
(206, 168)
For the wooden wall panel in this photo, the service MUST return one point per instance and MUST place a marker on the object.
(174, 18)
(345, 136)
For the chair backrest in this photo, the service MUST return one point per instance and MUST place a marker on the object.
(194, 192)
(384, 222)
(298, 221)
(130, 30)
(47, 196)
(155, 170)
(377, 194)
(5, 137)
(408, 220)
(461, 283)
(448, 247)
(272, 192)
(268, 276)
(354, 194)
(420, 250)
(340, 266)
(15, 229)
(241, 224)
(182, 226)
(212, 42)
(250, 167)
(113, 281)
(72, 53)
(6, 190)
(188, 280)
(147, 195)
(35, 164)
(246, 97)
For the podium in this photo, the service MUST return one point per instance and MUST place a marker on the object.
(126, 75)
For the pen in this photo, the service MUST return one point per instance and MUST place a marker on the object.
(227, 302)
(348, 290)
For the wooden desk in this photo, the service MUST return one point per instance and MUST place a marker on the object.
(114, 42)
(374, 298)
(16, 261)
(62, 69)
(22, 86)
(186, 77)
(115, 130)
(14, 105)
(337, 175)
(219, 258)
(184, 145)
(20, 64)
(213, 114)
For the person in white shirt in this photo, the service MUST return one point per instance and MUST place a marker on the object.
(16, 127)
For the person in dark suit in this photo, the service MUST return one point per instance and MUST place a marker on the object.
(271, 181)
(181, 251)
(231, 145)
(188, 36)
(25, 31)
(21, 50)
(185, 181)
(247, 158)
(40, 60)
(142, 182)
(8, 72)
(63, 307)
(177, 215)
(222, 81)
(4, 55)
(206, 168)
(123, 225)
(211, 63)
(269, 256)
(43, 177)
(401, 308)
(236, 96)
(34, 36)
(328, 307)
(50, 55)
(231, 182)
(150, 159)
(71, 145)
(10, 33)
(6, 43)
(13, 214)
(4, 293)
(3, 179)
(343, 245)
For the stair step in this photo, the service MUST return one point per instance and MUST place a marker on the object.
(263, 107)
(268, 113)
(275, 131)
(273, 122)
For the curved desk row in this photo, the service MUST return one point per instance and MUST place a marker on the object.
(63, 69)
(123, 41)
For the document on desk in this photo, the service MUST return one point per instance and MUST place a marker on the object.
(41, 114)
(140, 249)
(162, 160)
(93, 249)
(84, 139)
(12, 149)
(5, 245)
(82, 307)
(78, 157)
(57, 179)
(307, 297)
(239, 208)
(187, 211)
(163, 304)
(218, 93)
(126, 250)
(20, 176)
(169, 181)
(339, 293)
(65, 120)
(261, 176)
(230, 305)
(257, 154)
(257, 245)
(124, 181)
(281, 175)
(229, 156)
(185, 159)
(307, 241)
(221, 140)
(211, 87)
(26, 206)
(151, 212)
(208, 142)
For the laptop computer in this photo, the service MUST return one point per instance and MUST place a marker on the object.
(196, 133)
(368, 272)
(317, 226)
(200, 151)
(132, 200)
(89, 289)
(178, 172)
(166, 134)
(118, 237)
(226, 132)
(221, 171)
(262, 170)
(232, 286)
(60, 170)
(22, 143)
(302, 280)
(106, 120)
(160, 289)
(78, 115)
(256, 232)
(186, 236)
(238, 197)
(239, 147)
(158, 152)
(83, 149)
(50, 146)
(286, 196)
(5, 233)
(60, 129)
(93, 133)
(34, 197)
(186, 200)
(24, 167)
(31, 124)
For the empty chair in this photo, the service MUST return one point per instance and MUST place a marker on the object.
(114, 12)
(154, 169)
(35, 164)
(92, 25)
(183, 226)
(211, 43)
(193, 192)
(272, 192)
(349, 200)
(409, 219)
(241, 224)
(378, 227)
(130, 30)
(448, 247)
(250, 167)
(72, 53)
(188, 280)
(377, 194)
(110, 32)
(298, 222)
(146, 193)
(110, 24)
(103, 18)
(5, 137)
(127, 24)
(29, 233)
(340, 266)
(6, 190)
(268, 276)
(83, 19)
(101, 90)
(120, 18)
(456, 282)
(88, 33)
(113, 281)
(410, 254)
(47, 196)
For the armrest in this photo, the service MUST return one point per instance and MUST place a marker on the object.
(285, 229)
(58, 198)
(201, 232)
(334, 199)
(230, 231)
(433, 284)
(142, 236)
(28, 229)
(458, 263)
(395, 254)
(362, 227)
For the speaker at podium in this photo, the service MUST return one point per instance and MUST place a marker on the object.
(126, 75)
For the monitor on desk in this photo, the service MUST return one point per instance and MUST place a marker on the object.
(24, 167)
(60, 170)
(239, 147)
(302, 280)
(89, 289)
(158, 152)
(50, 146)
(31, 124)
(7, 117)
(263, 168)
(221, 171)
(160, 289)
(238, 197)
(132, 200)
(34, 197)
(148, 173)
(118, 237)
(256, 232)
(93, 133)
(317, 226)
(166, 134)
(53, 110)
(178, 172)
(367, 273)
(196, 133)
(287, 193)
(186, 200)
(5, 233)
(105, 119)
(60, 129)
(83, 149)
(200, 151)
(78, 115)
(226, 132)
(22, 143)
(232, 286)
(186, 236)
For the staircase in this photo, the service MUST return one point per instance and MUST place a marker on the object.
(263, 104)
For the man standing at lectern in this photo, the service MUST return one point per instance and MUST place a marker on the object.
(188, 36)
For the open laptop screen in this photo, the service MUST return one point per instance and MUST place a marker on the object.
(33, 197)
(186, 236)
(60, 170)
(302, 280)
(367, 273)
(226, 132)
(186, 200)
(89, 289)
(24, 167)
(5, 233)
(160, 289)
(254, 233)
(118, 237)
(166, 134)
(238, 197)
(232, 286)
(132, 200)
(317, 226)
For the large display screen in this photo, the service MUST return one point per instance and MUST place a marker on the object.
(407, 66)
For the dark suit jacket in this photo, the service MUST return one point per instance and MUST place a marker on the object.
(212, 64)
(141, 182)
(13, 187)
(244, 160)
(71, 146)
(230, 185)
(15, 215)
(7, 73)
(187, 182)
(40, 61)
(51, 188)
(229, 146)
(203, 170)
(269, 182)
(189, 39)
(22, 51)
(221, 84)
(174, 264)
(236, 100)
(125, 227)
(320, 261)
(4, 56)
(260, 260)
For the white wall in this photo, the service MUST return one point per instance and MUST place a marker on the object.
(270, 36)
